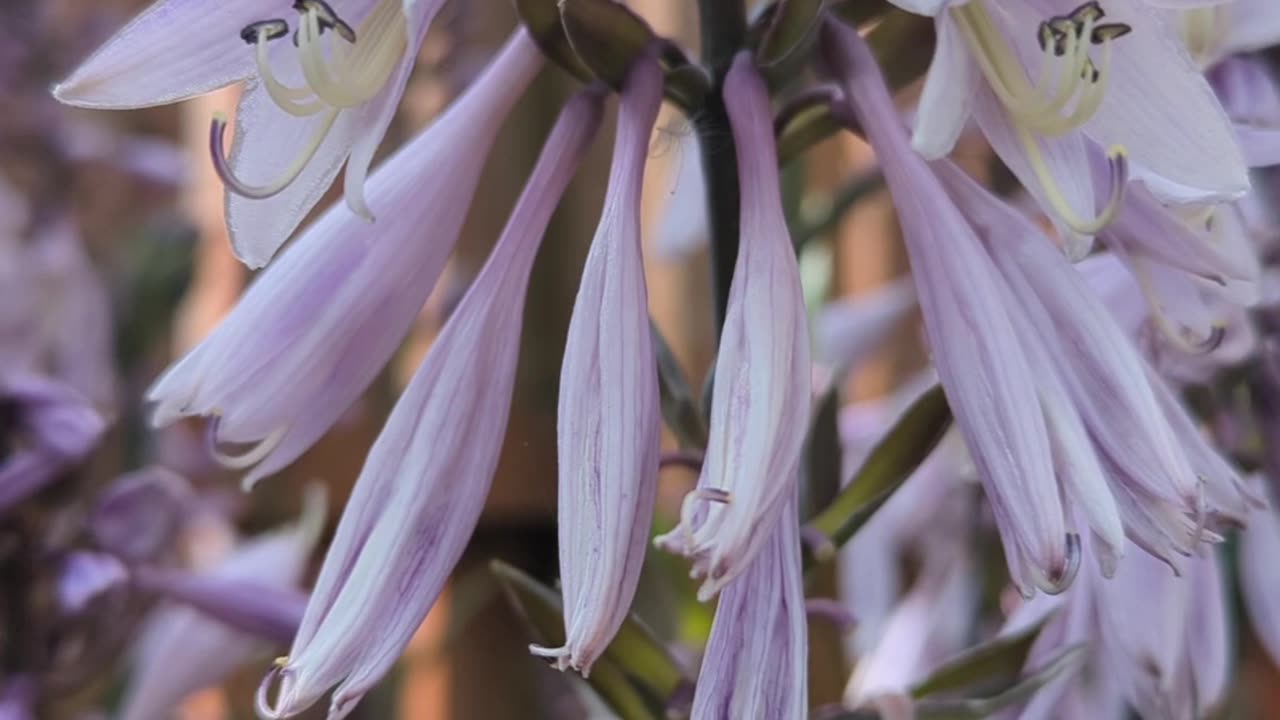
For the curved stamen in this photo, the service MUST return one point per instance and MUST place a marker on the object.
(1118, 163)
(690, 505)
(1181, 338)
(217, 129)
(1060, 578)
(261, 698)
(285, 97)
(248, 458)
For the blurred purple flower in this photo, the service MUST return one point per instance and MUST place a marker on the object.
(52, 428)
(334, 308)
(84, 576)
(181, 650)
(137, 516)
(609, 419)
(309, 107)
(763, 378)
(423, 485)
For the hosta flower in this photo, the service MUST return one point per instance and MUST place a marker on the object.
(1147, 452)
(761, 399)
(756, 661)
(314, 330)
(324, 82)
(1054, 82)
(609, 418)
(987, 376)
(1260, 577)
(423, 485)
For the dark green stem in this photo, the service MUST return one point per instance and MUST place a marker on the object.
(724, 27)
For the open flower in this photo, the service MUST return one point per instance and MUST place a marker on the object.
(761, 400)
(423, 485)
(311, 105)
(1053, 82)
(609, 419)
(315, 329)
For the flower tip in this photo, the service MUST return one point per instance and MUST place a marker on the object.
(557, 657)
(283, 705)
(1063, 571)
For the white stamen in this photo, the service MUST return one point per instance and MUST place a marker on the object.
(343, 69)
(1067, 93)
(248, 458)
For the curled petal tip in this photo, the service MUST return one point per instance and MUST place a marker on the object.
(1063, 573)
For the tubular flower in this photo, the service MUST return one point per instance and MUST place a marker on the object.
(756, 661)
(310, 105)
(984, 371)
(331, 312)
(423, 485)
(609, 414)
(761, 400)
(1049, 81)
(53, 428)
(1150, 454)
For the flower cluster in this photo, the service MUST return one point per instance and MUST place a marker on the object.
(1062, 346)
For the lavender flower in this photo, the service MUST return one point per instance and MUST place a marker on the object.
(1050, 81)
(986, 375)
(1260, 578)
(761, 400)
(423, 485)
(755, 664)
(609, 416)
(333, 309)
(309, 107)
(849, 330)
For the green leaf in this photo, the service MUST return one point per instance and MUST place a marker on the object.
(996, 662)
(542, 19)
(635, 676)
(1067, 661)
(890, 463)
(606, 36)
(679, 409)
(903, 45)
(790, 26)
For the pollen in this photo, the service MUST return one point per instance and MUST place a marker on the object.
(1066, 93)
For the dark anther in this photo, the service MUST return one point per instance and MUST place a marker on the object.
(271, 29)
(1086, 12)
(1048, 34)
(1090, 72)
(326, 17)
(1110, 31)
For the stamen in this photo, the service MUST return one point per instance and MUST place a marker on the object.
(689, 505)
(250, 457)
(262, 699)
(1180, 338)
(217, 129)
(327, 18)
(264, 30)
(1118, 164)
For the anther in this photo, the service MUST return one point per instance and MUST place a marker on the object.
(327, 18)
(273, 29)
(1088, 12)
(1109, 31)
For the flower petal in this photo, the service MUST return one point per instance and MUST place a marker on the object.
(950, 89)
